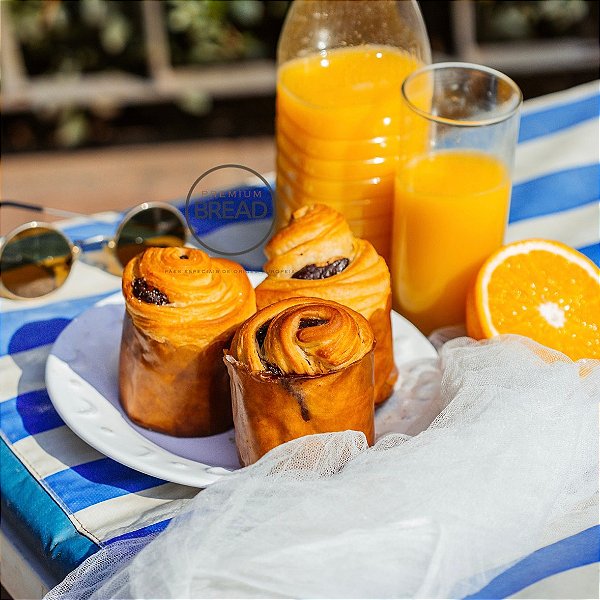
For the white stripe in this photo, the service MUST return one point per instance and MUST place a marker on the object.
(581, 582)
(577, 227)
(55, 450)
(569, 148)
(23, 372)
(126, 513)
(83, 281)
(560, 98)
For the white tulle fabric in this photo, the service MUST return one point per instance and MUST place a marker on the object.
(510, 464)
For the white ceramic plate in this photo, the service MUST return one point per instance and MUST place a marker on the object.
(82, 381)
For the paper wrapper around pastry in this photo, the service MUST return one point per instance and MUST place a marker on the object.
(179, 390)
(270, 410)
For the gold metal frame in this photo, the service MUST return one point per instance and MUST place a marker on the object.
(74, 249)
(77, 250)
(112, 244)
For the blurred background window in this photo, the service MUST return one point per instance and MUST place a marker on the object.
(88, 73)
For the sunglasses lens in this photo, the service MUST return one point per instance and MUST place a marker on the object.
(35, 262)
(156, 226)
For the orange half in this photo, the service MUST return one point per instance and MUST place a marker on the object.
(540, 289)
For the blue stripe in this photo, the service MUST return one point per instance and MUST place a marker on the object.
(33, 327)
(92, 229)
(40, 522)
(208, 214)
(572, 552)
(35, 334)
(550, 120)
(143, 531)
(27, 415)
(592, 252)
(555, 192)
(91, 483)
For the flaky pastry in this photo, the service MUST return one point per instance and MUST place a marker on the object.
(182, 309)
(299, 367)
(316, 255)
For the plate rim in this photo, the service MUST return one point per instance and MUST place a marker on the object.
(200, 475)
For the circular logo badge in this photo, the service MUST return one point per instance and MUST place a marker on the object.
(230, 220)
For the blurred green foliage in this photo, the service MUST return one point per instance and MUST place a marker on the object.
(77, 36)
(73, 36)
(69, 37)
(216, 30)
(523, 19)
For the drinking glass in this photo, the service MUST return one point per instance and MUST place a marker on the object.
(452, 187)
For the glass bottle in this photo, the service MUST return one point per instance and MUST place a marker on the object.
(341, 64)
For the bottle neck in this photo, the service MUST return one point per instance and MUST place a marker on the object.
(316, 26)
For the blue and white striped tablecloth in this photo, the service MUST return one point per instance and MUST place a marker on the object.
(66, 499)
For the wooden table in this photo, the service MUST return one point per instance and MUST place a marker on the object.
(91, 181)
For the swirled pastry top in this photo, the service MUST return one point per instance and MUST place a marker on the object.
(185, 296)
(317, 250)
(302, 336)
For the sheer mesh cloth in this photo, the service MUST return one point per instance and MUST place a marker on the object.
(508, 466)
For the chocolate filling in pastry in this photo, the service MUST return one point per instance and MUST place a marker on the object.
(150, 295)
(273, 369)
(304, 323)
(184, 257)
(328, 270)
(261, 334)
(299, 397)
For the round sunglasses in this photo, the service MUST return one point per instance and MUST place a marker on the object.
(36, 258)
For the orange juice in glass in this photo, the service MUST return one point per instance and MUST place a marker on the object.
(452, 194)
(339, 107)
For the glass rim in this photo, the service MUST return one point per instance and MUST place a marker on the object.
(145, 206)
(11, 235)
(465, 66)
(8, 238)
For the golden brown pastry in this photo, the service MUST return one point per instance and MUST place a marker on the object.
(317, 255)
(182, 309)
(299, 367)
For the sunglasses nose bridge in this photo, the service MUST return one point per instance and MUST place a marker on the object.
(150, 224)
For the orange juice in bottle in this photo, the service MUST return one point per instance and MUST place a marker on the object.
(341, 66)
